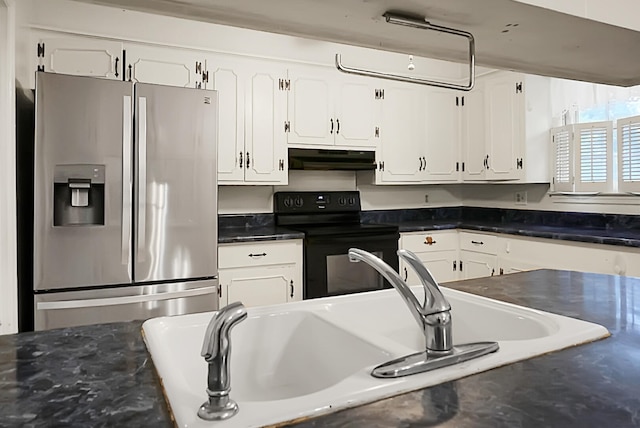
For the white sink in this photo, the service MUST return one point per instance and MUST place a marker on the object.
(314, 357)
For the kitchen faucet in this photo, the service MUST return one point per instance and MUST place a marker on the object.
(216, 350)
(433, 316)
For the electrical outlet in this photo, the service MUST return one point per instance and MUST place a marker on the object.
(521, 198)
(426, 198)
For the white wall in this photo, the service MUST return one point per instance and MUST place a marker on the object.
(8, 263)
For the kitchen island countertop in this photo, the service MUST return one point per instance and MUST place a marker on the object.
(102, 375)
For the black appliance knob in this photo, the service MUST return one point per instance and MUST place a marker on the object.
(352, 201)
(299, 202)
(342, 202)
(288, 202)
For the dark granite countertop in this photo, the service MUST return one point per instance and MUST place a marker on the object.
(256, 233)
(103, 376)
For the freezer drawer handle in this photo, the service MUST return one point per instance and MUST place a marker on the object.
(257, 255)
(112, 301)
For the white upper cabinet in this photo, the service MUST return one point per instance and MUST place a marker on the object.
(252, 143)
(442, 135)
(505, 127)
(472, 139)
(265, 116)
(327, 108)
(165, 66)
(504, 110)
(80, 56)
(402, 150)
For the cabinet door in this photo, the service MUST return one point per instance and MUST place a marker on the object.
(266, 159)
(504, 108)
(82, 56)
(473, 135)
(477, 265)
(442, 121)
(164, 66)
(258, 286)
(226, 77)
(402, 134)
(441, 264)
(357, 112)
(311, 108)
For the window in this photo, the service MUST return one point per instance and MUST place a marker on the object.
(629, 154)
(582, 157)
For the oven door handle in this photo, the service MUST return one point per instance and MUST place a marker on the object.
(353, 240)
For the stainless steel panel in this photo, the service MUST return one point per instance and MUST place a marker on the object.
(118, 304)
(176, 203)
(79, 121)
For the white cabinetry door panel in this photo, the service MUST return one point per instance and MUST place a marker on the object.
(82, 56)
(226, 79)
(266, 113)
(164, 66)
(311, 107)
(473, 135)
(477, 265)
(442, 265)
(357, 112)
(402, 134)
(443, 135)
(257, 286)
(504, 110)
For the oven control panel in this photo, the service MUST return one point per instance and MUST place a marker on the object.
(314, 202)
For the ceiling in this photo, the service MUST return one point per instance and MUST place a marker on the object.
(508, 34)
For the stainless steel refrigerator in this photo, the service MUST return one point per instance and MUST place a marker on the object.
(125, 201)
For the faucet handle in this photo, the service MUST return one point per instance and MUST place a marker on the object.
(435, 301)
(219, 327)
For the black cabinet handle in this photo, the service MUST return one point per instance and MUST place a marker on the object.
(487, 161)
(332, 125)
(424, 168)
(406, 274)
(130, 72)
(257, 255)
(117, 61)
(248, 161)
(338, 123)
(219, 290)
(477, 242)
(291, 285)
(241, 161)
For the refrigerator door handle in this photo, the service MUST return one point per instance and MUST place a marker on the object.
(111, 301)
(126, 178)
(142, 177)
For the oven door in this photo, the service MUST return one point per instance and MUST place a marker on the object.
(328, 271)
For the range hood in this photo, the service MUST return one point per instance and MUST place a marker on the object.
(325, 160)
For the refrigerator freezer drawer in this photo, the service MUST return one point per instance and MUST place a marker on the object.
(76, 308)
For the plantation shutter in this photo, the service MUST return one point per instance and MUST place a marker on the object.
(593, 142)
(562, 159)
(629, 154)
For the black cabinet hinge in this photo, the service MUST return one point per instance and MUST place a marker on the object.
(462, 101)
(457, 166)
(455, 265)
(205, 76)
(457, 101)
(460, 265)
(40, 50)
(198, 67)
(41, 68)
(379, 94)
(462, 166)
(519, 163)
(287, 126)
(376, 132)
(518, 87)
(284, 84)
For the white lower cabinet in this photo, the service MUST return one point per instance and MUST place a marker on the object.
(478, 255)
(438, 250)
(260, 273)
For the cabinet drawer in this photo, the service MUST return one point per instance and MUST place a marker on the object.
(479, 242)
(430, 241)
(259, 253)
